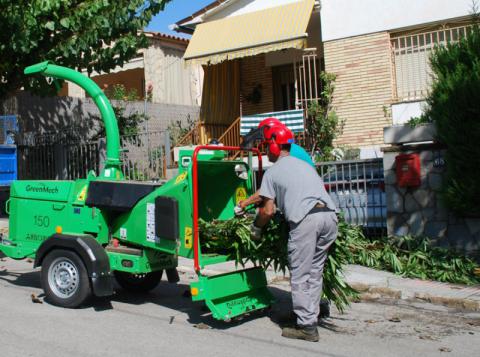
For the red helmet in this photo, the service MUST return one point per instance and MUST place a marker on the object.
(269, 126)
(280, 136)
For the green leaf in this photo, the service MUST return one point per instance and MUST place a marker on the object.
(26, 28)
(65, 22)
(50, 25)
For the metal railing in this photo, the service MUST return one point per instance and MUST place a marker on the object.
(57, 161)
(358, 189)
(307, 84)
(65, 156)
(411, 60)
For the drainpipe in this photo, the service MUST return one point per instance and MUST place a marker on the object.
(113, 168)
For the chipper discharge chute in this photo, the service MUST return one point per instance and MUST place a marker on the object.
(87, 232)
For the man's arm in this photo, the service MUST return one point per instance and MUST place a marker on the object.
(253, 199)
(265, 213)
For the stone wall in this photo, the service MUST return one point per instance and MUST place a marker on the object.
(420, 211)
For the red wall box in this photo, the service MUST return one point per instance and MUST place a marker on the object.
(408, 170)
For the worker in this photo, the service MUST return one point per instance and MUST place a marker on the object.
(266, 127)
(299, 192)
(264, 132)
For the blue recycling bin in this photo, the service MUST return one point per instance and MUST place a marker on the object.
(8, 173)
(8, 164)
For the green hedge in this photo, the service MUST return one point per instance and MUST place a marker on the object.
(454, 106)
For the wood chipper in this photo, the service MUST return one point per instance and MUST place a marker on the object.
(87, 232)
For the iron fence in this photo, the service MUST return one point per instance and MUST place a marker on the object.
(358, 189)
(66, 156)
(58, 161)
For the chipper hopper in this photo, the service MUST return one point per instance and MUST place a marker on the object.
(87, 232)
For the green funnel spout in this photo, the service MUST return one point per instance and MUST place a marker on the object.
(112, 168)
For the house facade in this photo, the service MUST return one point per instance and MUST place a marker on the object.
(159, 66)
(264, 56)
(258, 57)
(379, 51)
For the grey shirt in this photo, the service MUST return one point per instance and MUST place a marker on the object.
(296, 187)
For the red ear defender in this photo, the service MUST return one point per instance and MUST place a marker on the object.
(274, 148)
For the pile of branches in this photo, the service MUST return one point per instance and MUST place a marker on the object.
(232, 238)
(413, 257)
(408, 256)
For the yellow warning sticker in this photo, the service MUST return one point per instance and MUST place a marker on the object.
(180, 178)
(240, 195)
(83, 193)
(188, 237)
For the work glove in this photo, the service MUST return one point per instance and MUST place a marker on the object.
(255, 232)
(239, 211)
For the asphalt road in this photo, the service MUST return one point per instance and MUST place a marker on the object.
(164, 323)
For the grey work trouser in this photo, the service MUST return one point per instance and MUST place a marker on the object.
(308, 245)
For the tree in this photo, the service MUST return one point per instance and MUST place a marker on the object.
(324, 125)
(128, 118)
(454, 107)
(92, 35)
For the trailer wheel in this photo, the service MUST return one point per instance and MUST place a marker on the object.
(65, 279)
(138, 282)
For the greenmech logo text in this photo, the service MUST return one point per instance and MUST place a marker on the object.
(41, 188)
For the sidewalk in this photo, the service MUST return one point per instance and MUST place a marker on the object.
(375, 284)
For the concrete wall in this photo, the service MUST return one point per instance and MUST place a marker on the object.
(53, 114)
(173, 82)
(132, 79)
(363, 88)
(421, 211)
(162, 66)
(241, 7)
(403, 112)
(347, 18)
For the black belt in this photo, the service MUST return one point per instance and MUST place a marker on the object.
(320, 207)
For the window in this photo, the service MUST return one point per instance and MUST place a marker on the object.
(411, 55)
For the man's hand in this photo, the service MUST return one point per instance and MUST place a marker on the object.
(239, 210)
(255, 232)
(243, 204)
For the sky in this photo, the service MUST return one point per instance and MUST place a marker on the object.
(174, 11)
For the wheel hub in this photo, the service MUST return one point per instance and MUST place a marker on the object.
(63, 277)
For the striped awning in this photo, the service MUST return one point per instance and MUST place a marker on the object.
(268, 30)
(293, 119)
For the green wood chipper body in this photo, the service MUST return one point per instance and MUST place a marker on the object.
(136, 228)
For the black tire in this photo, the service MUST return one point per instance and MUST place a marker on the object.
(65, 279)
(138, 282)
